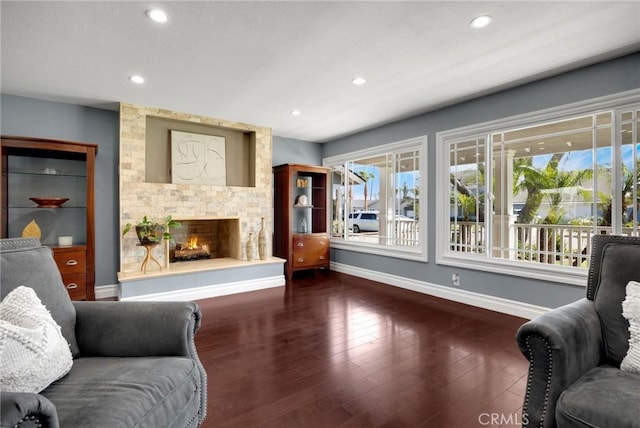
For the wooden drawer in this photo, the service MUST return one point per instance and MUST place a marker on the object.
(70, 262)
(76, 286)
(311, 258)
(304, 243)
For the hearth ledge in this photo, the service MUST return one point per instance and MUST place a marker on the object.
(196, 266)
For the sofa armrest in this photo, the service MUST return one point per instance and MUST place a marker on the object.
(136, 329)
(560, 345)
(24, 409)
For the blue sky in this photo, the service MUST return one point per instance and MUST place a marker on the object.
(411, 178)
(579, 160)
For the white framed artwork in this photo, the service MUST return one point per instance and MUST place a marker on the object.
(197, 159)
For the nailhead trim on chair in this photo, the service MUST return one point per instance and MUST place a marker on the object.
(13, 241)
(548, 383)
(202, 413)
(29, 418)
(191, 420)
(21, 240)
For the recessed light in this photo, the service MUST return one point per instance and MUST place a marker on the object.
(157, 15)
(359, 81)
(481, 21)
(137, 79)
(295, 113)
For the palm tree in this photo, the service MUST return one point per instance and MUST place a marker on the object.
(366, 176)
(468, 195)
(468, 204)
(534, 181)
(530, 179)
(628, 184)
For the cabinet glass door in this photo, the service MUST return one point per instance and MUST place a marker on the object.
(303, 204)
(47, 178)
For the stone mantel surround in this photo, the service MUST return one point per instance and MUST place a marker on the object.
(158, 200)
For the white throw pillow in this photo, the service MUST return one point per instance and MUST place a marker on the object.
(33, 352)
(631, 311)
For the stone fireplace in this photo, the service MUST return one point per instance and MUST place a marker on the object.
(221, 216)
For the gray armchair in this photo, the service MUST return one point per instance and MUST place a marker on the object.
(575, 351)
(135, 363)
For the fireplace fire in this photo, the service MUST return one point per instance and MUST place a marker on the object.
(205, 238)
(190, 250)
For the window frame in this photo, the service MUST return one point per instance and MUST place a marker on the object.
(484, 262)
(418, 253)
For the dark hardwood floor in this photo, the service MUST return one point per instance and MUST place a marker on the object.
(332, 350)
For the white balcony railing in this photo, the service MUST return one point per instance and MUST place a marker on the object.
(402, 233)
(406, 232)
(543, 243)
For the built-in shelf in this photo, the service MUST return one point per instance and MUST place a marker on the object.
(41, 174)
(239, 147)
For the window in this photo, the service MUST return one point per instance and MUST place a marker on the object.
(376, 196)
(527, 195)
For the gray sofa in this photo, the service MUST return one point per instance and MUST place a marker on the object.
(575, 351)
(135, 363)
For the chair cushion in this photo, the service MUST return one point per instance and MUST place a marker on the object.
(34, 352)
(26, 262)
(603, 397)
(127, 392)
(615, 267)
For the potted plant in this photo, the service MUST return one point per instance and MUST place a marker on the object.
(151, 232)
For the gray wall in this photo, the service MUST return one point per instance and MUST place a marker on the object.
(45, 119)
(602, 79)
(289, 150)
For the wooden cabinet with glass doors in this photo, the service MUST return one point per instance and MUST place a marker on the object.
(301, 217)
(47, 192)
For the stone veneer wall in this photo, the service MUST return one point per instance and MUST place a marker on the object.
(158, 200)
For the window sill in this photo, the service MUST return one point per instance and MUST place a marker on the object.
(538, 271)
(415, 254)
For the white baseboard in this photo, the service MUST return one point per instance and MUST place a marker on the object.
(498, 304)
(214, 290)
(106, 291)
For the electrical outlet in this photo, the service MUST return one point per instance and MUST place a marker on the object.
(455, 279)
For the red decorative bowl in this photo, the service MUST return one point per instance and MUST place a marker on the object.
(49, 202)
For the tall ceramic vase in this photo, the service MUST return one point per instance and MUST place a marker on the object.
(262, 241)
(251, 247)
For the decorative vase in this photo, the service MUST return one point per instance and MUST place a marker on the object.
(262, 241)
(167, 253)
(251, 247)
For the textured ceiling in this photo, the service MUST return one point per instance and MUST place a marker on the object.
(254, 62)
